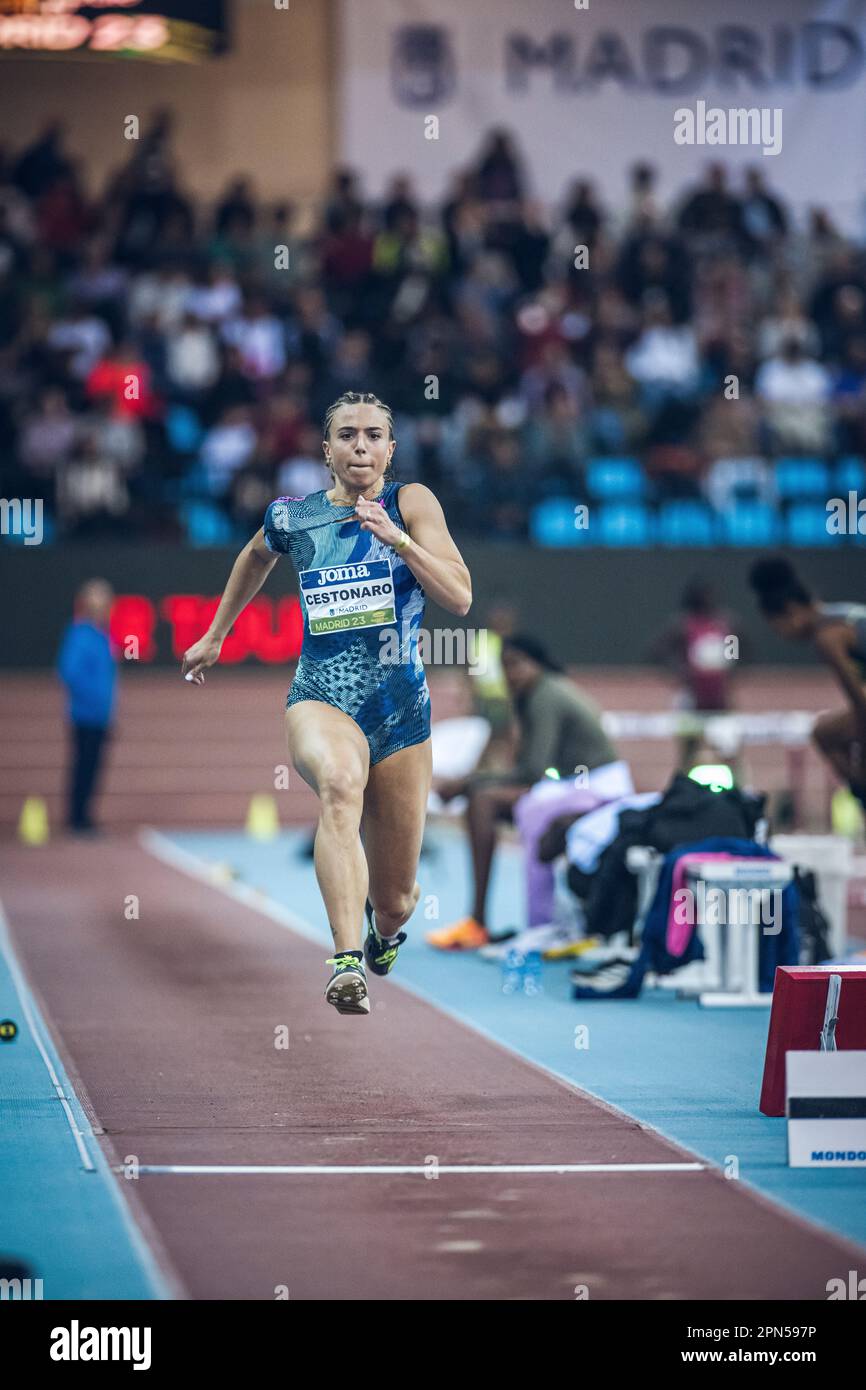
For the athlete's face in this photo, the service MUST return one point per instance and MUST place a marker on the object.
(358, 448)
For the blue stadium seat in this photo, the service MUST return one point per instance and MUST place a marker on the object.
(551, 523)
(684, 522)
(750, 523)
(850, 476)
(615, 478)
(183, 428)
(205, 523)
(806, 524)
(622, 523)
(194, 481)
(801, 478)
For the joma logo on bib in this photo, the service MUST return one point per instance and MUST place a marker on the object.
(348, 596)
(343, 573)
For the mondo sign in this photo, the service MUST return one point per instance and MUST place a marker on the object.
(168, 29)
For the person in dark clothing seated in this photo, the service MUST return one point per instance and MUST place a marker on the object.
(87, 670)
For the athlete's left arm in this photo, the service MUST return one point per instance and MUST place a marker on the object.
(833, 643)
(432, 557)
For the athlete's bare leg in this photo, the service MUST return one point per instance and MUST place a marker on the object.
(330, 752)
(395, 808)
(841, 739)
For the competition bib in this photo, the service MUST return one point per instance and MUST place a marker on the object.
(347, 596)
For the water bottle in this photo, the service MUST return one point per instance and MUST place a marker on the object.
(532, 973)
(512, 972)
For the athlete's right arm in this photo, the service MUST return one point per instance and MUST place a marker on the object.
(833, 641)
(249, 572)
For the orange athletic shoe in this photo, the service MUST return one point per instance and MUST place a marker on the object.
(465, 935)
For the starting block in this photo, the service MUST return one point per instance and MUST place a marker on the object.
(799, 1020)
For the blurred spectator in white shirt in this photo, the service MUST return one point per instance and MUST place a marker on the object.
(665, 355)
(160, 296)
(218, 297)
(83, 336)
(258, 335)
(795, 391)
(192, 357)
(227, 447)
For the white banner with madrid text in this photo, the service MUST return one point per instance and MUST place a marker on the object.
(589, 87)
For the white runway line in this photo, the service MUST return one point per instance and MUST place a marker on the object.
(162, 847)
(304, 1170)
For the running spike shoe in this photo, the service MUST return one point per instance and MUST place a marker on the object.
(380, 952)
(347, 987)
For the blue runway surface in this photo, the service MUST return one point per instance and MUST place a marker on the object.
(57, 1189)
(693, 1074)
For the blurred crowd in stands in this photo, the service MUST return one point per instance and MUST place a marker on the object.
(165, 365)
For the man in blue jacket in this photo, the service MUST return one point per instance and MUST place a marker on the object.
(87, 669)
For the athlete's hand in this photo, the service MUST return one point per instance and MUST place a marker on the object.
(199, 656)
(374, 518)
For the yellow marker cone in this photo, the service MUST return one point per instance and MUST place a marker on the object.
(33, 823)
(846, 815)
(263, 823)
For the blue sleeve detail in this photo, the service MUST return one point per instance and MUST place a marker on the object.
(277, 525)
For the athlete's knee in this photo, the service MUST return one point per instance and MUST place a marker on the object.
(395, 906)
(340, 785)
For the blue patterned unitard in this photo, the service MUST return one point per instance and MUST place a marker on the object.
(362, 610)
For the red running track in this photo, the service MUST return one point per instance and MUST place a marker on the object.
(167, 1025)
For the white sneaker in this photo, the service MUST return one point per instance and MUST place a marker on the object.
(533, 939)
(612, 950)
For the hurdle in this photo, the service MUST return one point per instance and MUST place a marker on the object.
(729, 975)
(791, 729)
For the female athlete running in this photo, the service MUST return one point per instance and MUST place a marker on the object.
(367, 552)
(838, 633)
